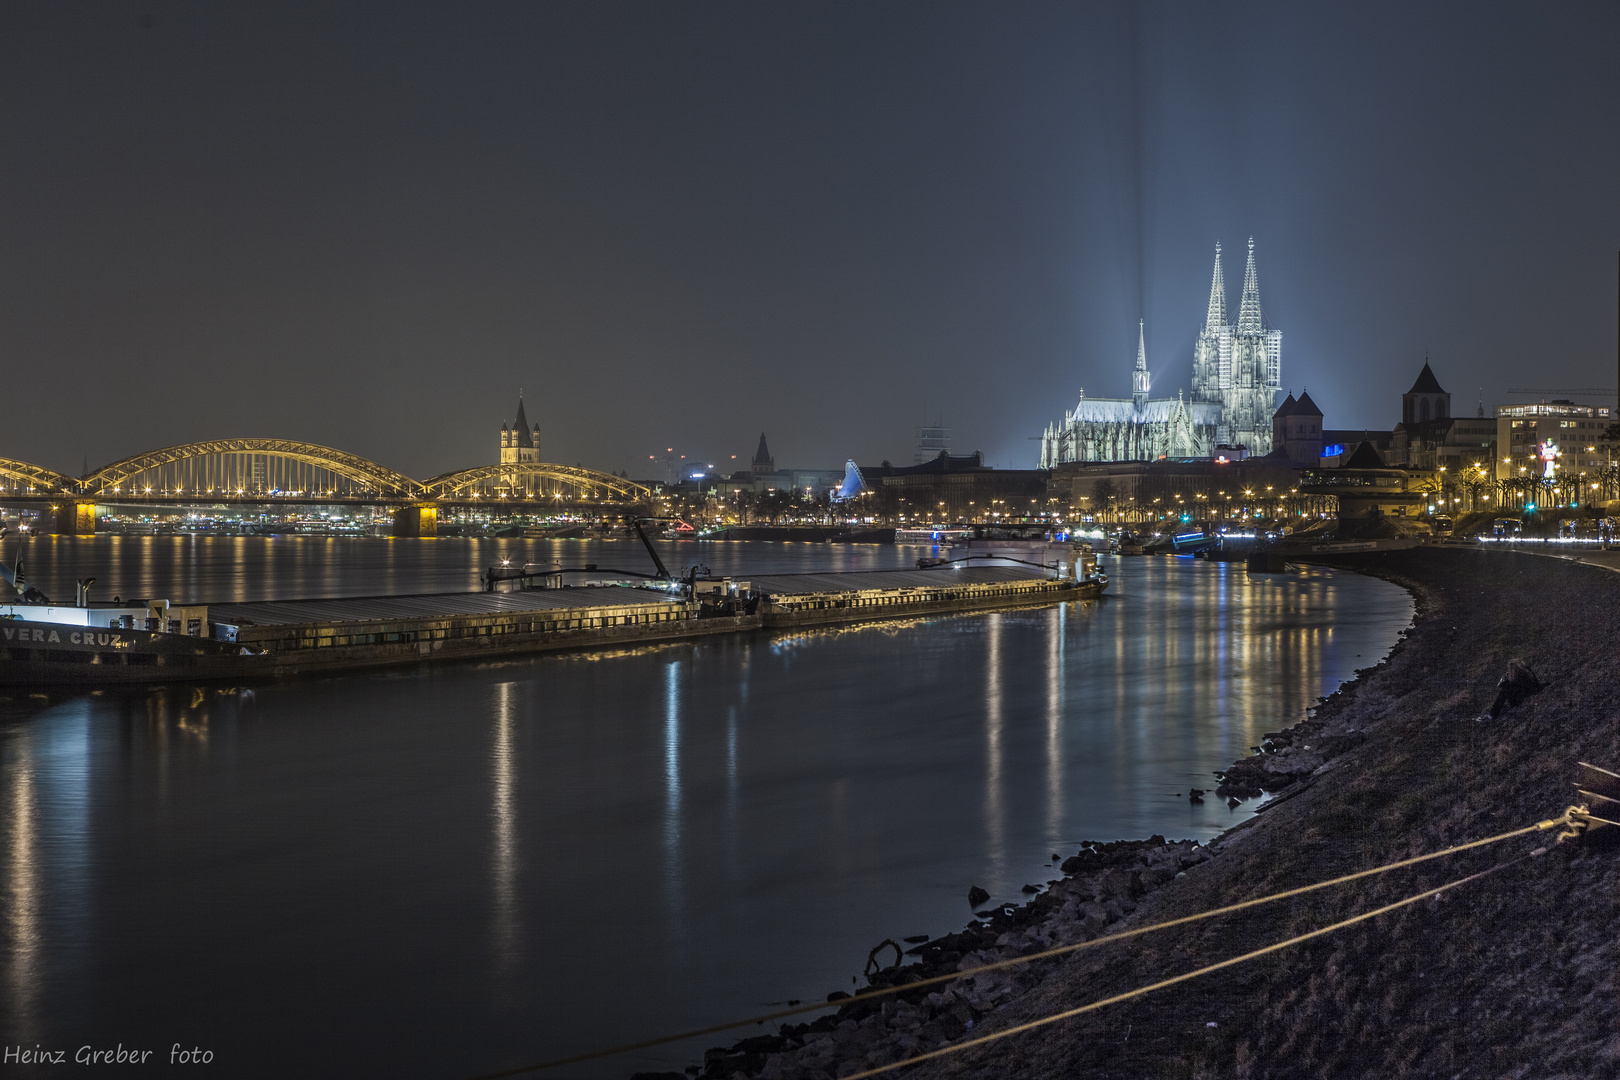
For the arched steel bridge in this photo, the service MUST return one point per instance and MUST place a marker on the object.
(453, 484)
(368, 480)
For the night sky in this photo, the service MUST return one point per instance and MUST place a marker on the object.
(677, 224)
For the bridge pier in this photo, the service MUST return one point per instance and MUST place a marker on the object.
(74, 518)
(416, 521)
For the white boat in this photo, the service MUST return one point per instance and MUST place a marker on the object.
(1050, 547)
(1010, 538)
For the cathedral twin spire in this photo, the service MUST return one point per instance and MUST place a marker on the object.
(1238, 365)
(1249, 318)
(1217, 294)
(1249, 321)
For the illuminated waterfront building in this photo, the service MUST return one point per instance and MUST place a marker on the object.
(1237, 373)
(1549, 438)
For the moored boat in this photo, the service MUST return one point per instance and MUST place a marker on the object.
(522, 609)
(931, 534)
(153, 641)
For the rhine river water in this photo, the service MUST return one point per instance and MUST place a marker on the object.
(445, 870)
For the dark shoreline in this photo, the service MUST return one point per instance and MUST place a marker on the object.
(1393, 764)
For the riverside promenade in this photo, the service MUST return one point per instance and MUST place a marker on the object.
(1593, 556)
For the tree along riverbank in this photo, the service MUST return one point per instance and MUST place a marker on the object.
(1509, 976)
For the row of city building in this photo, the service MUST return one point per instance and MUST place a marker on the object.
(1540, 438)
(1432, 463)
(1230, 413)
(1464, 460)
(1227, 434)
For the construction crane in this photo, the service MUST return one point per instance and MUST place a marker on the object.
(1585, 391)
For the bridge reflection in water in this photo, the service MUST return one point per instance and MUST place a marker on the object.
(257, 472)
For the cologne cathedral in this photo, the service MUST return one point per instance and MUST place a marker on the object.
(1237, 373)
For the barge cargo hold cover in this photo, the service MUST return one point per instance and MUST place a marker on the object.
(265, 639)
(314, 634)
(310, 635)
(793, 600)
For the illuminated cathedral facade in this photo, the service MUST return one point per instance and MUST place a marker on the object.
(1237, 374)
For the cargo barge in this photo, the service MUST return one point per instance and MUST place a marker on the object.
(154, 641)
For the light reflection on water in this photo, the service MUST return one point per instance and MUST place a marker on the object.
(1056, 627)
(48, 866)
(674, 891)
(23, 935)
(507, 903)
(531, 858)
(994, 818)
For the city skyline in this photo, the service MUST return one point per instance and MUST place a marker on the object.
(798, 475)
(370, 230)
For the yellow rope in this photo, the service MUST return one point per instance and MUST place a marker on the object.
(1563, 820)
(1162, 983)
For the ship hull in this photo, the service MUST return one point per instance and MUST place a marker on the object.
(41, 653)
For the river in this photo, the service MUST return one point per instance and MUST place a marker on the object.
(445, 870)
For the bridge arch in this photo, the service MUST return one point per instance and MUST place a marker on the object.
(533, 480)
(363, 473)
(37, 477)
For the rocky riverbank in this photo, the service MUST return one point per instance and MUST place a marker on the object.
(1511, 976)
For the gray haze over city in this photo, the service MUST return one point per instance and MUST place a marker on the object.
(675, 225)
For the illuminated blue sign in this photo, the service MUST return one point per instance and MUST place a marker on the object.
(1333, 451)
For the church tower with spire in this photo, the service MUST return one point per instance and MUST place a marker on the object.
(520, 445)
(1139, 378)
(763, 464)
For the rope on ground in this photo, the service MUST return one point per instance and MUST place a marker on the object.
(1162, 983)
(1568, 821)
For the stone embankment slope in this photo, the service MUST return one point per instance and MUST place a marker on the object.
(1512, 976)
